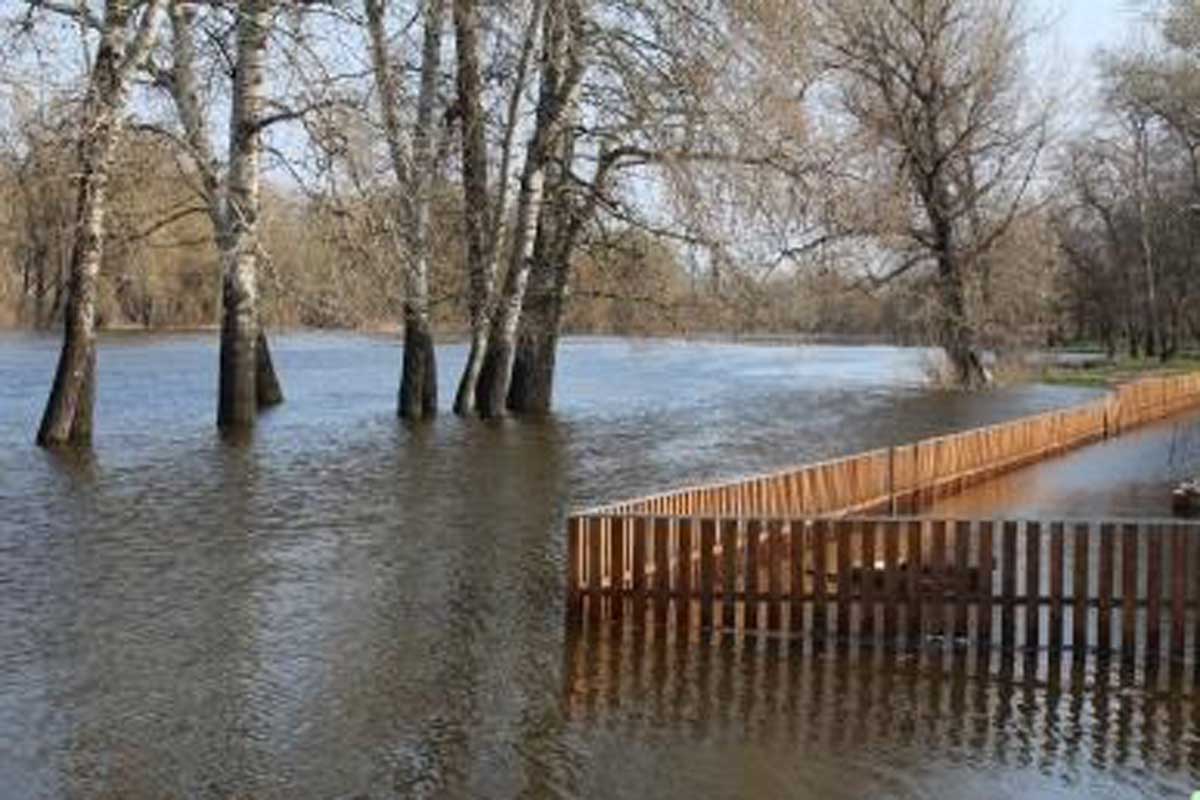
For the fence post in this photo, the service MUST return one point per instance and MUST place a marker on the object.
(574, 556)
(891, 481)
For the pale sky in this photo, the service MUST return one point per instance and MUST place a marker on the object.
(1081, 26)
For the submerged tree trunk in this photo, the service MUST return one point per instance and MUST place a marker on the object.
(531, 391)
(216, 189)
(68, 417)
(480, 260)
(414, 178)
(495, 376)
(268, 389)
(484, 229)
(418, 383)
(237, 404)
(956, 335)
(562, 69)
(532, 387)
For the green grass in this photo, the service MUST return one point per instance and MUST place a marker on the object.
(1122, 370)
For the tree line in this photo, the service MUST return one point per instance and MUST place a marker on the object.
(510, 169)
(1128, 222)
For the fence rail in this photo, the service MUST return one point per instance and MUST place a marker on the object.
(909, 476)
(1131, 587)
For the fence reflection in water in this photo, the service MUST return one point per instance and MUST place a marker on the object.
(986, 705)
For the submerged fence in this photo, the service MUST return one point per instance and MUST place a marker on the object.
(779, 553)
(908, 476)
(1127, 587)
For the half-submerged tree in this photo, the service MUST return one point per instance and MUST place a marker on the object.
(652, 107)
(237, 398)
(483, 216)
(937, 85)
(413, 161)
(125, 32)
(563, 62)
(607, 103)
(230, 193)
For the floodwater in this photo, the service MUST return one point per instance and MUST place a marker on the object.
(1130, 476)
(348, 607)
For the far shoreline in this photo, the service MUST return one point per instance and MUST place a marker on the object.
(1082, 366)
(452, 336)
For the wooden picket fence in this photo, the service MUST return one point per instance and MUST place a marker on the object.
(1129, 587)
(909, 476)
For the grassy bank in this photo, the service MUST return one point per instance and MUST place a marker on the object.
(1121, 370)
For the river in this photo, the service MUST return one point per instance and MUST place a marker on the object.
(348, 607)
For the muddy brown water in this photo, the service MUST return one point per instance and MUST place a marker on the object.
(348, 607)
(1126, 477)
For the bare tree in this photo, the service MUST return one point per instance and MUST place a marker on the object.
(414, 165)
(126, 32)
(937, 84)
(484, 216)
(230, 192)
(562, 68)
(666, 94)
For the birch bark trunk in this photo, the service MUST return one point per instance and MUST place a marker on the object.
(531, 389)
(480, 261)
(414, 176)
(483, 227)
(562, 71)
(68, 419)
(213, 185)
(237, 405)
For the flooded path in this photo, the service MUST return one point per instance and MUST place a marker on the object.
(1130, 476)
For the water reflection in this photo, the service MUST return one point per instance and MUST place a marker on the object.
(1130, 476)
(988, 720)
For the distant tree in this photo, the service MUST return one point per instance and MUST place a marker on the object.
(1129, 222)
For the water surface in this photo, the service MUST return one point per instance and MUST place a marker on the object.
(1130, 476)
(352, 607)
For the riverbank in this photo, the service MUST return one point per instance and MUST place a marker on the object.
(1100, 372)
(452, 334)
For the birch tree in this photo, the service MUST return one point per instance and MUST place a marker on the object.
(563, 62)
(230, 193)
(237, 396)
(125, 32)
(413, 161)
(653, 105)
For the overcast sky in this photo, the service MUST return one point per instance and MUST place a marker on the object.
(1079, 27)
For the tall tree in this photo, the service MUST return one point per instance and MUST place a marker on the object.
(483, 215)
(937, 84)
(233, 233)
(563, 62)
(413, 160)
(652, 106)
(126, 31)
(1152, 107)
(240, 356)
